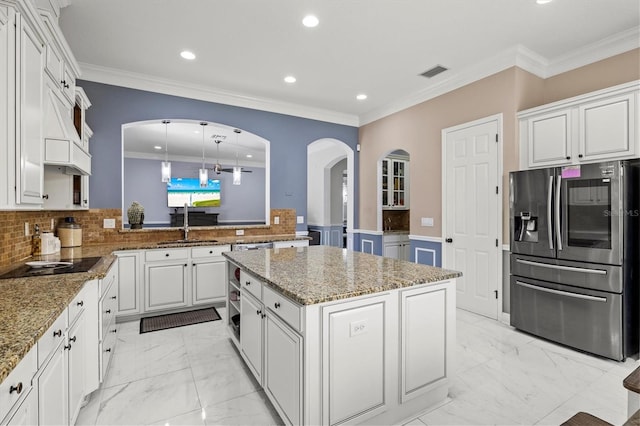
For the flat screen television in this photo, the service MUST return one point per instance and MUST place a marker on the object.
(188, 190)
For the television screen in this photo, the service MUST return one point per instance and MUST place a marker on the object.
(188, 190)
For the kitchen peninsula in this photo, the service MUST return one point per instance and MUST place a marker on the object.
(339, 336)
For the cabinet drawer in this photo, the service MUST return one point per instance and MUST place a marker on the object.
(107, 348)
(18, 380)
(76, 306)
(109, 279)
(283, 307)
(166, 254)
(51, 338)
(251, 284)
(204, 252)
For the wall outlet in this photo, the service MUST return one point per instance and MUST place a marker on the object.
(300, 219)
(109, 223)
(27, 229)
(276, 220)
(53, 224)
(358, 327)
(426, 221)
(239, 231)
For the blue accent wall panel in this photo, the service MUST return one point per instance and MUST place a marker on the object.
(426, 253)
(113, 106)
(367, 243)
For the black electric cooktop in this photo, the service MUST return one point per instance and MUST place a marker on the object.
(63, 266)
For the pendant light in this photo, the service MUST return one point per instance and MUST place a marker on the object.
(237, 171)
(204, 173)
(166, 165)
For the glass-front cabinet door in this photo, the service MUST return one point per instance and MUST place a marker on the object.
(395, 183)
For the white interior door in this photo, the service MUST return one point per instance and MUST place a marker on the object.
(472, 213)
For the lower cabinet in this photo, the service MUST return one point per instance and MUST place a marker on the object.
(283, 368)
(397, 246)
(53, 408)
(26, 413)
(208, 275)
(251, 339)
(76, 363)
(128, 282)
(165, 286)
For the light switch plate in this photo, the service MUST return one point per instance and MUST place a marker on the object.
(27, 230)
(109, 223)
(300, 219)
(276, 220)
(239, 231)
(426, 221)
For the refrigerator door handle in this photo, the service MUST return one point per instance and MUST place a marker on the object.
(562, 293)
(563, 268)
(549, 214)
(558, 224)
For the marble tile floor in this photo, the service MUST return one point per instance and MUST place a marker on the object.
(194, 376)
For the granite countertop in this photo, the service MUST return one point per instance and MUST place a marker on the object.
(28, 306)
(317, 274)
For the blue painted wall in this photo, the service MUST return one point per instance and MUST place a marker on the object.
(426, 252)
(243, 202)
(113, 106)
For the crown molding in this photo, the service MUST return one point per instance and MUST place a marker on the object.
(139, 81)
(521, 57)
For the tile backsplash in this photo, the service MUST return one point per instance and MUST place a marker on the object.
(17, 247)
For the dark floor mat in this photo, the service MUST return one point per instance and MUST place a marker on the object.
(162, 322)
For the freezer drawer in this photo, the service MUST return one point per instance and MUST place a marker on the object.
(593, 276)
(588, 320)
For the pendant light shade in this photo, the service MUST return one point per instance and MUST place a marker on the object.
(166, 165)
(237, 170)
(204, 173)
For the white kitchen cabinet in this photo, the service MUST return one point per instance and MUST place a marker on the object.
(108, 306)
(76, 362)
(26, 412)
(252, 333)
(283, 368)
(208, 274)
(293, 243)
(64, 191)
(53, 408)
(165, 279)
(7, 106)
(128, 289)
(396, 246)
(15, 387)
(29, 112)
(423, 340)
(597, 126)
(395, 183)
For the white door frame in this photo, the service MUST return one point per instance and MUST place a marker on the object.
(497, 118)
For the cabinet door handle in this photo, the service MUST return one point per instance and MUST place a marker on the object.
(449, 240)
(114, 330)
(108, 350)
(72, 339)
(80, 303)
(276, 305)
(166, 254)
(568, 157)
(45, 196)
(17, 388)
(57, 333)
(108, 311)
(263, 315)
(210, 251)
(258, 312)
(579, 155)
(247, 283)
(67, 347)
(113, 297)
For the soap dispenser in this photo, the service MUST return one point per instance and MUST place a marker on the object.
(36, 241)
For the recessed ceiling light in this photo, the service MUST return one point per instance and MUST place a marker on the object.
(543, 1)
(310, 21)
(361, 97)
(290, 79)
(188, 55)
(249, 156)
(157, 147)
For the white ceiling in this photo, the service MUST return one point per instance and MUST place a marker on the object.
(245, 48)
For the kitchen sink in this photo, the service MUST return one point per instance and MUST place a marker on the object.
(179, 243)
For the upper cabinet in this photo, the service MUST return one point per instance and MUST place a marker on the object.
(594, 127)
(38, 105)
(395, 182)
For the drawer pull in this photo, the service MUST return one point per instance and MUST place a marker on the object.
(166, 254)
(17, 389)
(72, 339)
(108, 311)
(247, 283)
(263, 315)
(108, 350)
(57, 333)
(210, 251)
(276, 305)
(114, 330)
(113, 297)
(80, 303)
(67, 347)
(258, 312)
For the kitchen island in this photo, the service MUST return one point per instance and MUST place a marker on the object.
(336, 336)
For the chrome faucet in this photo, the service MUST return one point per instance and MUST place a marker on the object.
(185, 227)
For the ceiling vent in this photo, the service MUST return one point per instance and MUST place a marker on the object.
(434, 71)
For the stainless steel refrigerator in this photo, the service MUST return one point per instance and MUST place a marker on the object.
(574, 255)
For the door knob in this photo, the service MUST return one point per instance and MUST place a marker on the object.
(449, 240)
